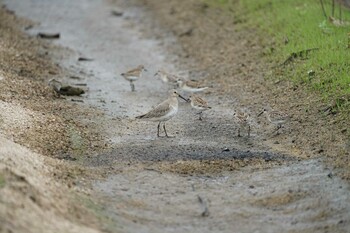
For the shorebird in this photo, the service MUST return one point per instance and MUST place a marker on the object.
(275, 117)
(166, 77)
(190, 86)
(65, 90)
(133, 75)
(199, 104)
(56, 85)
(164, 111)
(242, 118)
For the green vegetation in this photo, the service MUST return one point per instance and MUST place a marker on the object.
(289, 29)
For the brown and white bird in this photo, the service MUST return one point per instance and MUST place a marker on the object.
(133, 75)
(164, 111)
(166, 77)
(243, 119)
(190, 86)
(277, 118)
(199, 104)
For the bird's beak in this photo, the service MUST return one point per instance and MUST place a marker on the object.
(156, 74)
(144, 69)
(260, 113)
(187, 100)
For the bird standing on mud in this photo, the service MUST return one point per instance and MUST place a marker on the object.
(133, 75)
(166, 77)
(199, 104)
(277, 118)
(164, 111)
(242, 118)
(190, 86)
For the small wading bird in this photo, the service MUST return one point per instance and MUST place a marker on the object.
(190, 86)
(164, 111)
(65, 90)
(199, 104)
(166, 77)
(275, 117)
(242, 118)
(133, 75)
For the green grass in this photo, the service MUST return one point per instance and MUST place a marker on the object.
(303, 25)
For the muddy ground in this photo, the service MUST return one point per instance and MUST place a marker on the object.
(79, 164)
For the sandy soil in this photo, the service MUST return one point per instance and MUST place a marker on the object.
(110, 173)
(37, 194)
(233, 61)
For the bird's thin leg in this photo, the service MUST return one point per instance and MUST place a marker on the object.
(278, 127)
(166, 134)
(132, 86)
(200, 116)
(239, 132)
(248, 130)
(158, 129)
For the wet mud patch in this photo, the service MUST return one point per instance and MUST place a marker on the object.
(188, 159)
(158, 151)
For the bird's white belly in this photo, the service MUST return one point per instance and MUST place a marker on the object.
(197, 107)
(164, 78)
(191, 89)
(277, 122)
(132, 78)
(170, 114)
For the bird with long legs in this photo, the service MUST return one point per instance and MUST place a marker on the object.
(199, 104)
(190, 86)
(166, 77)
(243, 119)
(277, 118)
(133, 75)
(164, 111)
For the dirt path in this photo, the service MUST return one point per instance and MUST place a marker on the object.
(204, 180)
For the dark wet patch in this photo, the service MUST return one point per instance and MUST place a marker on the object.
(148, 152)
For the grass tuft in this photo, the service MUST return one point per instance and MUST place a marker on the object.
(290, 27)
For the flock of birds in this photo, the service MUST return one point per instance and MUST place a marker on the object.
(169, 107)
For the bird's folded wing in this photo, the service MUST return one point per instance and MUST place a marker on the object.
(194, 84)
(201, 102)
(160, 110)
(278, 115)
(133, 72)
